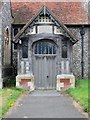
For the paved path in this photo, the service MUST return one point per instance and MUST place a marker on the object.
(45, 104)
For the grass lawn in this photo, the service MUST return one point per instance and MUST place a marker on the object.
(80, 93)
(9, 97)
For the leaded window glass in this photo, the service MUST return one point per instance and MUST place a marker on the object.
(15, 46)
(64, 49)
(25, 49)
(44, 47)
(15, 31)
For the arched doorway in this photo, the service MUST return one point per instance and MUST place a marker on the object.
(44, 64)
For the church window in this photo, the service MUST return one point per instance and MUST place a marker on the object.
(15, 31)
(15, 46)
(44, 47)
(64, 49)
(24, 49)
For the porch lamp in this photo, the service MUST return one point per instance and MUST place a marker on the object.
(82, 33)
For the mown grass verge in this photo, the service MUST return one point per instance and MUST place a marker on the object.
(9, 97)
(81, 94)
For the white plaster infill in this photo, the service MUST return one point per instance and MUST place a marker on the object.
(60, 84)
(29, 77)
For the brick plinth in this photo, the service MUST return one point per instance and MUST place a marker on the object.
(65, 81)
(25, 81)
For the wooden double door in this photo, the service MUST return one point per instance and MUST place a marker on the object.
(45, 71)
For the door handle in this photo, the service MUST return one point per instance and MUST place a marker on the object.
(47, 76)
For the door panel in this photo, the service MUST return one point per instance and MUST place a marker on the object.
(45, 72)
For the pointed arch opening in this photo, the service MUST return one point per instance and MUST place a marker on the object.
(44, 47)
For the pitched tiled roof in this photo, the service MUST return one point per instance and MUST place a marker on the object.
(67, 12)
(45, 10)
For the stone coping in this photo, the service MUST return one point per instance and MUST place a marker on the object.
(30, 84)
(65, 76)
(25, 76)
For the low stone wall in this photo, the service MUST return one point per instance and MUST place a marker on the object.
(65, 81)
(25, 81)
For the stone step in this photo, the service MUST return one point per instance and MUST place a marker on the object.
(45, 93)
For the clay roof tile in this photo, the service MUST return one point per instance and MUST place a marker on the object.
(67, 12)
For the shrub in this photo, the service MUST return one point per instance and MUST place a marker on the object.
(7, 70)
(9, 81)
